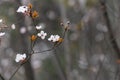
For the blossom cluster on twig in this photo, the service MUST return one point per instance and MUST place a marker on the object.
(33, 14)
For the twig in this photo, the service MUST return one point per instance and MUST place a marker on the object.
(64, 34)
(44, 50)
(15, 71)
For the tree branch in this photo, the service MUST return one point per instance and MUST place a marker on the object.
(15, 72)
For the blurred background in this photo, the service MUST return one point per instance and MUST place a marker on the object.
(90, 50)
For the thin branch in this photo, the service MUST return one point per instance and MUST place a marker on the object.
(64, 33)
(29, 58)
(33, 22)
(15, 72)
(31, 46)
(44, 51)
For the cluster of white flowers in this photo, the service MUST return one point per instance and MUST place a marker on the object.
(54, 38)
(20, 57)
(42, 34)
(22, 9)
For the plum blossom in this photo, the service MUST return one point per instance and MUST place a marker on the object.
(38, 27)
(2, 34)
(1, 20)
(54, 38)
(22, 9)
(42, 34)
(20, 57)
(13, 26)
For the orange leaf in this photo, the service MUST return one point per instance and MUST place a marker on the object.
(29, 5)
(33, 37)
(35, 14)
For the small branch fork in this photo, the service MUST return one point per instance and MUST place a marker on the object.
(32, 43)
(29, 56)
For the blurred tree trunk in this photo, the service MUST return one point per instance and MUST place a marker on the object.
(23, 43)
(95, 46)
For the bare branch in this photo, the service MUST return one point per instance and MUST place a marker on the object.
(44, 51)
(15, 72)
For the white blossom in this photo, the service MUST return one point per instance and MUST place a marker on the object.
(38, 27)
(2, 34)
(42, 34)
(1, 20)
(13, 26)
(51, 38)
(22, 9)
(54, 38)
(20, 57)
